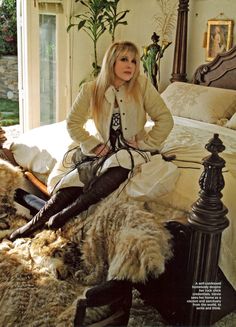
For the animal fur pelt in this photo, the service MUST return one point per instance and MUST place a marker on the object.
(124, 241)
(43, 278)
(11, 177)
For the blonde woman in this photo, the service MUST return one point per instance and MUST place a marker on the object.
(118, 101)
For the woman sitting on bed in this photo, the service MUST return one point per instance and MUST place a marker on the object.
(119, 102)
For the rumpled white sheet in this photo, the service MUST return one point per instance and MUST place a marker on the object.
(187, 141)
(46, 145)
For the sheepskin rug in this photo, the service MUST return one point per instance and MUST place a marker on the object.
(42, 278)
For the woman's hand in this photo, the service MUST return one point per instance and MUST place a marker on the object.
(133, 143)
(101, 150)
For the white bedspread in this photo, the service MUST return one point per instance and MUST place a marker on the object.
(187, 141)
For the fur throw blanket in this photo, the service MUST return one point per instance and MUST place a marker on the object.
(43, 278)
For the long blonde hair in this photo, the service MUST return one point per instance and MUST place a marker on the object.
(106, 76)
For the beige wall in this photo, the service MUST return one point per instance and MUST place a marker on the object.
(141, 25)
(200, 12)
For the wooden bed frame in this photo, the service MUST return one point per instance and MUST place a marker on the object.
(197, 244)
(201, 236)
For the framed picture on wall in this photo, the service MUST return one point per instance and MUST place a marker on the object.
(219, 37)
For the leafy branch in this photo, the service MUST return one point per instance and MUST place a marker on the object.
(166, 19)
(99, 15)
(114, 18)
(93, 23)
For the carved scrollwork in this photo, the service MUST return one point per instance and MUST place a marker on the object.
(204, 70)
(211, 180)
(199, 76)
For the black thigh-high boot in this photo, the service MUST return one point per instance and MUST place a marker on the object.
(56, 203)
(101, 188)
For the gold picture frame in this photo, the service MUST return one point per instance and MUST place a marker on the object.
(219, 37)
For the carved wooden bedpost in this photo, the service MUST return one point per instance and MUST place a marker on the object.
(180, 52)
(207, 221)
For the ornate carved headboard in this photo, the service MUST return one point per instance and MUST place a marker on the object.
(221, 72)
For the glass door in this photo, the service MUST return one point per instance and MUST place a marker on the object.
(47, 32)
(44, 74)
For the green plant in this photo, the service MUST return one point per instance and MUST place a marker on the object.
(99, 15)
(9, 112)
(92, 22)
(115, 18)
(8, 28)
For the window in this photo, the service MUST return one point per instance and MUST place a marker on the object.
(47, 44)
(43, 61)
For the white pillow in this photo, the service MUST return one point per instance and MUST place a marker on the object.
(208, 104)
(232, 122)
(39, 149)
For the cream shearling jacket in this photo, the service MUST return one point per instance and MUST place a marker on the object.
(133, 117)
